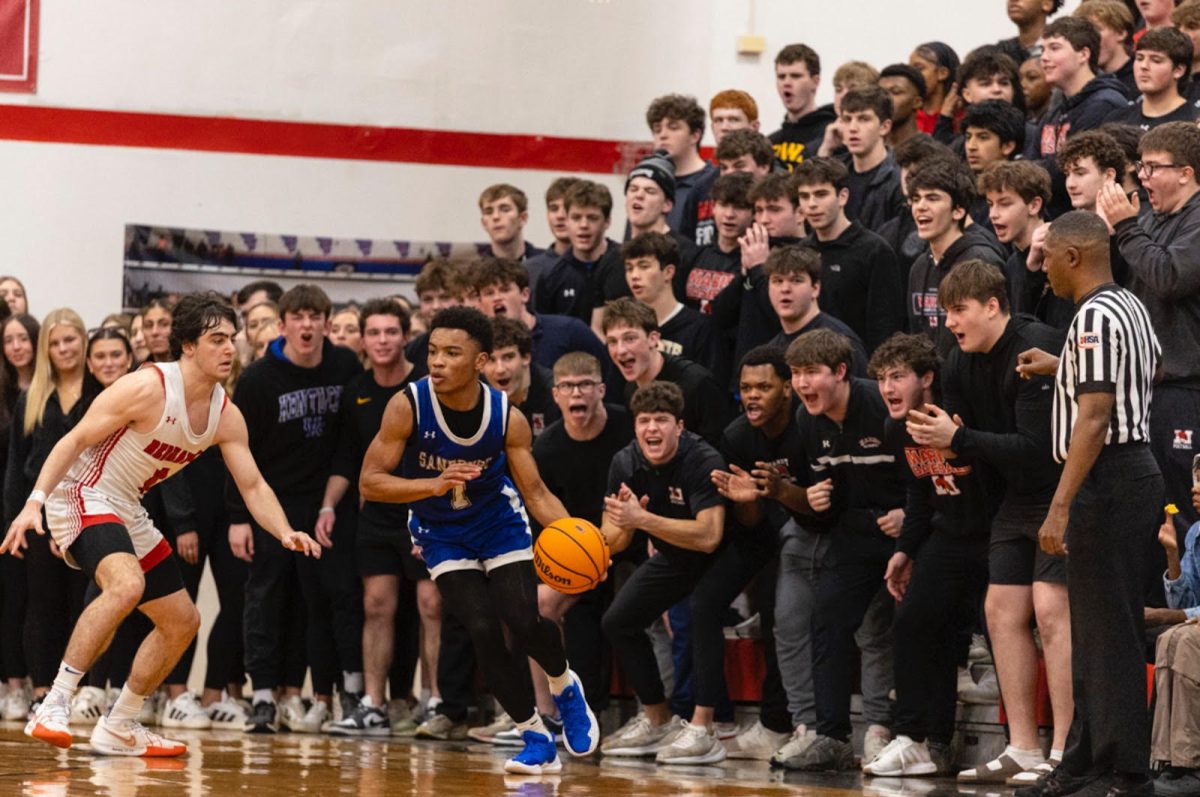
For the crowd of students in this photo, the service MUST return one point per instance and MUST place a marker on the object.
(797, 379)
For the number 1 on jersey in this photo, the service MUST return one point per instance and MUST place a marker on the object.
(458, 498)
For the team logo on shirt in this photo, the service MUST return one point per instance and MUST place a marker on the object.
(1089, 340)
(670, 347)
(836, 268)
(826, 444)
(538, 421)
(675, 495)
(1183, 439)
(870, 442)
(568, 293)
(944, 485)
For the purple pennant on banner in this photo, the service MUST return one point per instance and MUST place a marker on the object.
(289, 242)
(364, 246)
(401, 248)
(443, 248)
(326, 245)
(213, 238)
(250, 240)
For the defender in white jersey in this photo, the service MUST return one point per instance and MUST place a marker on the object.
(142, 429)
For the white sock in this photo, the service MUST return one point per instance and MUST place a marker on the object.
(1026, 758)
(352, 682)
(1056, 756)
(264, 696)
(433, 703)
(558, 684)
(127, 707)
(534, 723)
(66, 683)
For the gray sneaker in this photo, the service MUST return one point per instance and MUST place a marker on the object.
(693, 744)
(442, 728)
(756, 743)
(823, 754)
(802, 739)
(641, 738)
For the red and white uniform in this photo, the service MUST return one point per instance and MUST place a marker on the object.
(106, 484)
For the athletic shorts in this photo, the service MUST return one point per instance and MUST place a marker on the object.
(1015, 557)
(103, 539)
(473, 548)
(386, 551)
(73, 509)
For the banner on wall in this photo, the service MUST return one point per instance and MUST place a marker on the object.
(18, 45)
(160, 261)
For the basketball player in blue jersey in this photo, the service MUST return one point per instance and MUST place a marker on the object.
(446, 448)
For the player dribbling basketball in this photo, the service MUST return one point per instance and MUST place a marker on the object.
(454, 440)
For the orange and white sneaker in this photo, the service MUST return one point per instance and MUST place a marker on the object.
(50, 721)
(131, 738)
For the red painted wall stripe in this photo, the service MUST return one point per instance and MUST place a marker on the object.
(312, 140)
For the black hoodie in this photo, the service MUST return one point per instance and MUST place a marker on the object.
(800, 139)
(925, 314)
(860, 283)
(1087, 110)
(292, 419)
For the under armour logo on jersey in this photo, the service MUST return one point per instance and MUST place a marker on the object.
(170, 420)
(568, 293)
(429, 435)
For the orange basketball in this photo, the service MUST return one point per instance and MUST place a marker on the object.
(571, 555)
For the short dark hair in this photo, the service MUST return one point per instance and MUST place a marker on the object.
(272, 289)
(732, 189)
(950, 177)
(500, 271)
(559, 188)
(387, 306)
(817, 171)
(1173, 43)
(919, 149)
(475, 324)
(990, 61)
(1078, 33)
(658, 245)
(1083, 228)
(657, 397)
(197, 313)
(511, 332)
(737, 143)
(820, 347)
(1100, 147)
(305, 296)
(766, 355)
(676, 106)
(587, 194)
(915, 352)
(868, 98)
(793, 259)
(772, 186)
(1180, 140)
(1000, 117)
(1024, 178)
(629, 312)
(974, 279)
(909, 73)
(793, 53)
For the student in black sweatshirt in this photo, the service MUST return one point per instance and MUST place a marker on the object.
(592, 272)
(1070, 61)
(939, 569)
(510, 368)
(650, 263)
(860, 282)
(1005, 424)
(797, 73)
(677, 124)
(290, 398)
(940, 193)
(719, 263)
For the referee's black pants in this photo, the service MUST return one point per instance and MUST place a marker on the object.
(949, 574)
(1118, 507)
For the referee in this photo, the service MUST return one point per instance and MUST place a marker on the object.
(1109, 500)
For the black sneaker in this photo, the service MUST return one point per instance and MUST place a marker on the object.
(263, 718)
(1177, 782)
(1116, 786)
(349, 702)
(1055, 783)
(363, 720)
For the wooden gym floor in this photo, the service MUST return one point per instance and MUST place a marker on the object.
(231, 763)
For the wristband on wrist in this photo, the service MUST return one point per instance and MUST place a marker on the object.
(38, 496)
(325, 509)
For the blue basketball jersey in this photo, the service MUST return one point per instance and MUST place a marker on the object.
(487, 502)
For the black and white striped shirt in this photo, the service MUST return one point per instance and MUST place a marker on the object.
(1111, 347)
